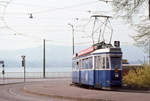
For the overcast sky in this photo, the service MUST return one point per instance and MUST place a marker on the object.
(50, 21)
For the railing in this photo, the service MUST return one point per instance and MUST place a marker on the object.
(36, 74)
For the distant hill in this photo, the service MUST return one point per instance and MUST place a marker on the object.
(59, 56)
(55, 56)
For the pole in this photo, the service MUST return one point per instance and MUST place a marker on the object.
(24, 65)
(24, 71)
(72, 40)
(149, 51)
(43, 58)
(149, 8)
(3, 72)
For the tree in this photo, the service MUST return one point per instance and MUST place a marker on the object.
(128, 9)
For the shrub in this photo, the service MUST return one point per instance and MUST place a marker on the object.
(139, 78)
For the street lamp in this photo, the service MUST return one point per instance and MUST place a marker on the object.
(44, 40)
(72, 37)
(43, 58)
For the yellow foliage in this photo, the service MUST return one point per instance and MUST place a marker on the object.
(140, 77)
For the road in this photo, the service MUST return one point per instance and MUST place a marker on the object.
(13, 92)
(52, 89)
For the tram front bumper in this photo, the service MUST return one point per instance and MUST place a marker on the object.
(116, 83)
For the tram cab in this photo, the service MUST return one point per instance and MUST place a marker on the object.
(99, 66)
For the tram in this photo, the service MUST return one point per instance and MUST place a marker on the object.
(99, 66)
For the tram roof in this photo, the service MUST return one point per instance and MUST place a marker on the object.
(112, 50)
(101, 47)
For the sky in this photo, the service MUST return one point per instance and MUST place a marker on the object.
(50, 21)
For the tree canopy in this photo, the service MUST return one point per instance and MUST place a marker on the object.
(128, 9)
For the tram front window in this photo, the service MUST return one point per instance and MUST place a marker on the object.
(115, 62)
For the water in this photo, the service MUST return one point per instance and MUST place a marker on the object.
(38, 69)
(36, 72)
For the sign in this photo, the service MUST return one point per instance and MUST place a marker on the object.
(3, 72)
(23, 58)
(1, 62)
(86, 51)
(23, 61)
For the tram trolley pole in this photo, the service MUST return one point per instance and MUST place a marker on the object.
(24, 66)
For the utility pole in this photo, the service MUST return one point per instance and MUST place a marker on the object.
(149, 51)
(43, 58)
(149, 8)
(72, 38)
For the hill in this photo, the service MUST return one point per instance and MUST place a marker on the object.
(59, 56)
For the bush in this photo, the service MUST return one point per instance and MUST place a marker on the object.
(138, 78)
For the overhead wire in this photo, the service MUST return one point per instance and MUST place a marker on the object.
(48, 10)
(64, 8)
(3, 14)
(67, 7)
(8, 27)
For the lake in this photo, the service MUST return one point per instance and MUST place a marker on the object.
(36, 72)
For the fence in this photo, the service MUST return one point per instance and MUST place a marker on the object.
(36, 74)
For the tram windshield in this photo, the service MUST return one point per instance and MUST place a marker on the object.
(115, 62)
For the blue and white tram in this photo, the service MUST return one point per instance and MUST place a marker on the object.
(99, 66)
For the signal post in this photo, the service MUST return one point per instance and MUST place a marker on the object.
(23, 65)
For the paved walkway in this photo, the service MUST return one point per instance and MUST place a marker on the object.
(60, 88)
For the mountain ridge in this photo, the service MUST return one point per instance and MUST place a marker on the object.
(59, 55)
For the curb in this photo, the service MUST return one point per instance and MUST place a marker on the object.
(63, 97)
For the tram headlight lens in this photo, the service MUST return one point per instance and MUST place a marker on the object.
(116, 75)
(116, 72)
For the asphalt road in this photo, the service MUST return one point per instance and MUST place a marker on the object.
(13, 92)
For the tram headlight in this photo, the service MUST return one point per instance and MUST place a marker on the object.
(116, 75)
(116, 72)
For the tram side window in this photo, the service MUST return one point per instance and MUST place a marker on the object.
(107, 62)
(103, 62)
(98, 62)
(87, 63)
(80, 64)
(77, 64)
(90, 63)
(83, 63)
(74, 64)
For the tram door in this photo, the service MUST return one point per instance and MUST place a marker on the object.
(98, 71)
(79, 66)
(101, 72)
